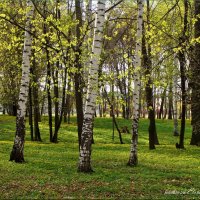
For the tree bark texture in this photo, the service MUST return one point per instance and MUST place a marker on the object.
(133, 158)
(182, 61)
(87, 131)
(153, 139)
(149, 95)
(78, 74)
(195, 82)
(17, 154)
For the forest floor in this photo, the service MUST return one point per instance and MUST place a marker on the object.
(50, 170)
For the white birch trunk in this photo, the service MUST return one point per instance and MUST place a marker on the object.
(92, 91)
(87, 63)
(18, 147)
(133, 159)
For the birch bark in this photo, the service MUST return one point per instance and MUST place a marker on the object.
(86, 137)
(133, 159)
(18, 147)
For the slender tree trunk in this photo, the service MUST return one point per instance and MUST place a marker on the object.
(161, 112)
(113, 118)
(78, 75)
(17, 153)
(153, 139)
(31, 112)
(176, 133)
(49, 94)
(36, 107)
(149, 96)
(69, 99)
(45, 31)
(87, 132)
(183, 97)
(170, 96)
(56, 102)
(182, 60)
(133, 158)
(43, 100)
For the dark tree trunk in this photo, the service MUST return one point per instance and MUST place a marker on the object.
(195, 82)
(35, 99)
(48, 76)
(100, 111)
(55, 137)
(68, 102)
(170, 106)
(153, 139)
(36, 115)
(56, 102)
(14, 109)
(183, 97)
(67, 105)
(30, 112)
(58, 119)
(43, 101)
(79, 103)
(78, 75)
(182, 60)
(160, 115)
(117, 106)
(49, 97)
(149, 96)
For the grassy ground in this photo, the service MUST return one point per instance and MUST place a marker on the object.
(50, 170)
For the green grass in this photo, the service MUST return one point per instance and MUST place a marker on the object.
(50, 170)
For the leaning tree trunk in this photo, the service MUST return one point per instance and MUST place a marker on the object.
(133, 159)
(195, 82)
(87, 131)
(17, 153)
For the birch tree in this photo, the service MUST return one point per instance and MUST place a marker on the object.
(133, 159)
(18, 147)
(87, 131)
